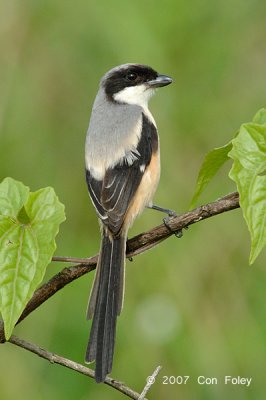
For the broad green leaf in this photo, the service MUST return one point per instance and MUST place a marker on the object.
(12, 197)
(260, 117)
(29, 223)
(212, 163)
(249, 173)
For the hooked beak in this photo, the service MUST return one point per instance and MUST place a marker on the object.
(161, 80)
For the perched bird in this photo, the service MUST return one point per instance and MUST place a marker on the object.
(122, 172)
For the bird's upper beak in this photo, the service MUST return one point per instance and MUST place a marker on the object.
(161, 80)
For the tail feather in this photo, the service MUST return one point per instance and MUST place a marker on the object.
(106, 304)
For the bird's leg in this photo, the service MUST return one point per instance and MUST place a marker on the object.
(170, 214)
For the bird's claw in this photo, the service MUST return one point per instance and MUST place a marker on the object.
(172, 214)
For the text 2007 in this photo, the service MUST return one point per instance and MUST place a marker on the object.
(172, 380)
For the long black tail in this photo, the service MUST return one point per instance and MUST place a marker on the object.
(105, 304)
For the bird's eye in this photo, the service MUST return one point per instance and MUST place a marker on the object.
(131, 76)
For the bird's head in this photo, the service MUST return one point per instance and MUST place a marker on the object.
(132, 84)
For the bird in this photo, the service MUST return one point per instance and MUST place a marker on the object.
(122, 162)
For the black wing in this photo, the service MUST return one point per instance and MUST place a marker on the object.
(112, 195)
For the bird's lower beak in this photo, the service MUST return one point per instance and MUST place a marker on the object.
(161, 80)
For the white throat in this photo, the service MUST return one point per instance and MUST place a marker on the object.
(139, 95)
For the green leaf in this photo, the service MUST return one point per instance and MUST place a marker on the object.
(212, 163)
(12, 197)
(29, 223)
(260, 117)
(249, 173)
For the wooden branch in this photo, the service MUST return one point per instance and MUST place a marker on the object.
(57, 282)
(56, 359)
(135, 246)
(147, 240)
(150, 381)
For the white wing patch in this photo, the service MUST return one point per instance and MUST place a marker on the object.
(131, 156)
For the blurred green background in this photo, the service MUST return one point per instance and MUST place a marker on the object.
(193, 305)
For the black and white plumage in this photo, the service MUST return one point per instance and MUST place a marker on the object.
(122, 173)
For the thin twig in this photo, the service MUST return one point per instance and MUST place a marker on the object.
(135, 246)
(80, 260)
(57, 282)
(150, 381)
(56, 359)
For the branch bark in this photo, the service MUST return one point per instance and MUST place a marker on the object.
(135, 246)
(149, 382)
(56, 359)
